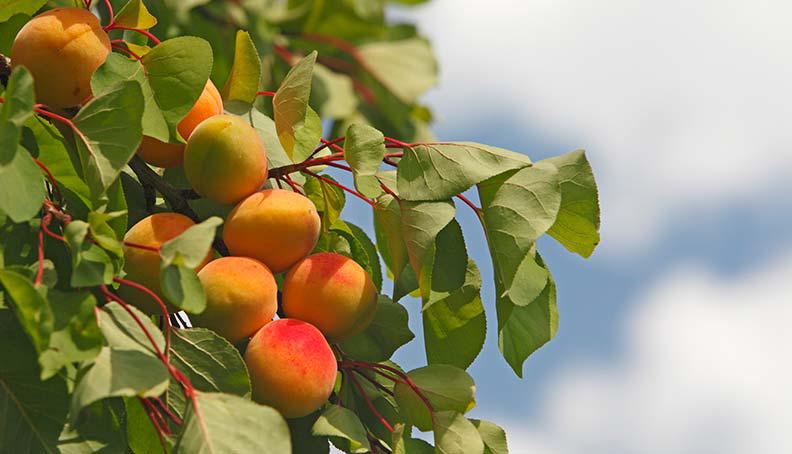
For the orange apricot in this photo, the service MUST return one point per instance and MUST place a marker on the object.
(61, 48)
(291, 366)
(275, 226)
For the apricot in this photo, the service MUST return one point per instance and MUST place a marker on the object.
(333, 293)
(61, 48)
(225, 159)
(291, 366)
(241, 297)
(143, 266)
(161, 154)
(275, 226)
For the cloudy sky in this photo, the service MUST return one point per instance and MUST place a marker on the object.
(674, 338)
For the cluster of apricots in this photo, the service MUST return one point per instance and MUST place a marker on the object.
(325, 297)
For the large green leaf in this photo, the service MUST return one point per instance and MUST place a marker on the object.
(121, 331)
(242, 85)
(100, 429)
(407, 67)
(421, 223)
(75, 336)
(344, 429)
(387, 332)
(141, 434)
(177, 70)
(441, 170)
(227, 423)
(9, 8)
(456, 435)
(518, 207)
(17, 169)
(332, 93)
(33, 410)
(303, 440)
(299, 128)
(446, 387)
(265, 127)
(210, 362)
(328, 199)
(444, 266)
(117, 68)
(182, 288)
(404, 444)
(364, 148)
(135, 15)
(31, 308)
(108, 129)
(117, 372)
(91, 265)
(455, 327)
(493, 436)
(578, 221)
(192, 245)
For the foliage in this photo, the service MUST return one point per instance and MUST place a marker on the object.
(82, 370)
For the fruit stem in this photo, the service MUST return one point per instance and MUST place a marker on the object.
(51, 178)
(266, 93)
(145, 33)
(371, 406)
(407, 380)
(341, 186)
(152, 415)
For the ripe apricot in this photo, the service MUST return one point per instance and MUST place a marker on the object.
(225, 159)
(167, 155)
(241, 297)
(292, 367)
(61, 48)
(275, 226)
(143, 266)
(333, 293)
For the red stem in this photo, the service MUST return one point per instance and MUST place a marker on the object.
(332, 144)
(399, 143)
(150, 412)
(156, 299)
(51, 178)
(173, 416)
(110, 295)
(161, 423)
(467, 201)
(146, 33)
(341, 186)
(125, 50)
(266, 93)
(407, 380)
(371, 406)
(110, 11)
(141, 246)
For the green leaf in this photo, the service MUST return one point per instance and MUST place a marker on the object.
(446, 387)
(17, 168)
(391, 245)
(91, 265)
(455, 327)
(31, 308)
(404, 444)
(118, 68)
(444, 265)
(344, 428)
(182, 288)
(493, 436)
(135, 15)
(364, 149)
(265, 127)
(75, 336)
(329, 199)
(578, 221)
(295, 121)
(301, 438)
(522, 329)
(103, 233)
(117, 372)
(99, 429)
(34, 410)
(142, 435)
(10, 7)
(441, 170)
(333, 93)
(227, 423)
(9, 29)
(387, 332)
(454, 434)
(421, 223)
(109, 130)
(121, 331)
(192, 245)
(210, 362)
(518, 207)
(243, 81)
(406, 67)
(177, 70)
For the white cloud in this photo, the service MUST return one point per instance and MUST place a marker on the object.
(706, 369)
(680, 104)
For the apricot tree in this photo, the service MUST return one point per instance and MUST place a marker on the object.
(175, 271)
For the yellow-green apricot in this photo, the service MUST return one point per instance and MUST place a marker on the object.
(225, 159)
(332, 292)
(241, 297)
(291, 366)
(61, 48)
(275, 226)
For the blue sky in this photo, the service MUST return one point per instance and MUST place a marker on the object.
(673, 336)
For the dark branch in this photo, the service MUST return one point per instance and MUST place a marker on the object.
(5, 69)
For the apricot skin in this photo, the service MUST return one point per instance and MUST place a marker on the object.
(143, 266)
(241, 297)
(292, 367)
(275, 226)
(61, 48)
(161, 154)
(333, 293)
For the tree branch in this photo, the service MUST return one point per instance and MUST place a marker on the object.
(5, 69)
